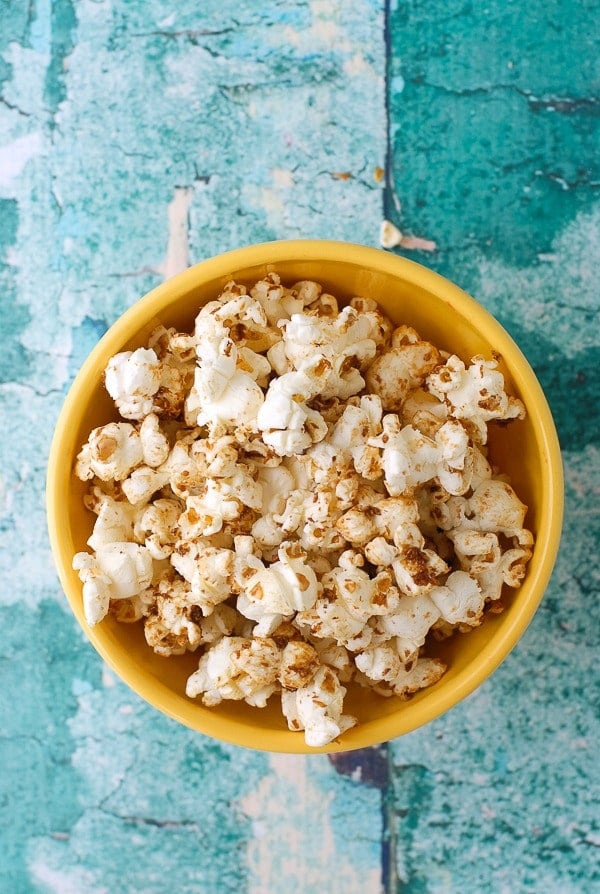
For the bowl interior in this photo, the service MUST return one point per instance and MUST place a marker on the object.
(408, 293)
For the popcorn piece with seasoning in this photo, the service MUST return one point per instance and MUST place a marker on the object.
(237, 668)
(474, 394)
(132, 378)
(318, 709)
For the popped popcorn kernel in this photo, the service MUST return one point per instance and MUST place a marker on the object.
(474, 394)
(299, 493)
(317, 708)
(132, 378)
(111, 453)
(401, 367)
(236, 668)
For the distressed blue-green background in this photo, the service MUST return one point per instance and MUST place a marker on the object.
(136, 137)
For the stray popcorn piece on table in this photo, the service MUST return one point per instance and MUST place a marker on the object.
(301, 494)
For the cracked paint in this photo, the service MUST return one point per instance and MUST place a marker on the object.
(299, 787)
(493, 130)
(512, 768)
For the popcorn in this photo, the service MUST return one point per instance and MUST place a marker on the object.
(225, 391)
(475, 394)
(96, 587)
(236, 668)
(408, 458)
(208, 569)
(156, 527)
(382, 664)
(155, 444)
(270, 594)
(344, 342)
(481, 556)
(460, 601)
(417, 570)
(401, 367)
(116, 571)
(409, 623)
(132, 378)
(456, 467)
(395, 518)
(114, 522)
(381, 327)
(300, 494)
(111, 453)
(287, 423)
(279, 303)
(317, 709)
(219, 500)
(352, 431)
(171, 628)
(299, 665)
(177, 360)
(175, 624)
(494, 506)
(350, 597)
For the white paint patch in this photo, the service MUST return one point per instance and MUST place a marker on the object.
(356, 65)
(28, 64)
(168, 21)
(5, 497)
(324, 32)
(322, 7)
(108, 678)
(15, 155)
(397, 84)
(274, 207)
(64, 881)
(178, 251)
(282, 179)
(293, 844)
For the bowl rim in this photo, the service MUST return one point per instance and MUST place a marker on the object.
(370, 732)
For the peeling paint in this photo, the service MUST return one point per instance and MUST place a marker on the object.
(294, 841)
(178, 249)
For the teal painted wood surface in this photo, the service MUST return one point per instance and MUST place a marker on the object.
(139, 137)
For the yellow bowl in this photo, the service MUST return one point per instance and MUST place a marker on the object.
(528, 451)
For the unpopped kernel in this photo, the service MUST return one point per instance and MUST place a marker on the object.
(300, 494)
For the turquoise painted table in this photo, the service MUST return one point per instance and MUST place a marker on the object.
(138, 137)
